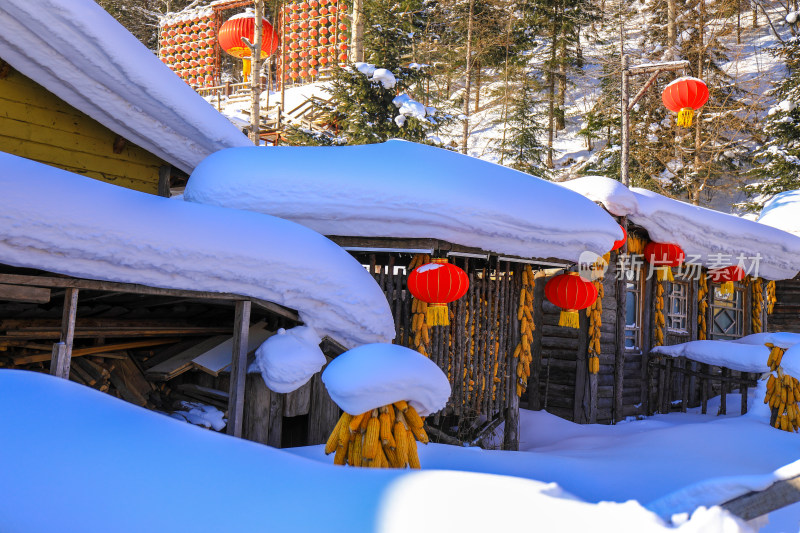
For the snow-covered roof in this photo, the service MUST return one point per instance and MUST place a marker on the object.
(703, 233)
(782, 211)
(407, 190)
(53, 220)
(79, 52)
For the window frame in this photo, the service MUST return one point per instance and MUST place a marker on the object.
(683, 302)
(635, 286)
(737, 308)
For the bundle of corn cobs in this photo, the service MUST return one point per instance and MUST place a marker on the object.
(419, 311)
(382, 438)
(526, 326)
(783, 392)
(595, 314)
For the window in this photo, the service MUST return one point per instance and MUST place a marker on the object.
(727, 315)
(633, 310)
(676, 303)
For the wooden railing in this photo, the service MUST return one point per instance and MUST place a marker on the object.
(678, 383)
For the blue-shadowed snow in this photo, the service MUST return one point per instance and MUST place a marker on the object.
(375, 375)
(79, 52)
(407, 190)
(782, 211)
(61, 222)
(704, 234)
(102, 464)
(288, 359)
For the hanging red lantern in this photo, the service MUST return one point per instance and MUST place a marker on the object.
(332, 9)
(303, 74)
(620, 243)
(571, 293)
(323, 60)
(313, 72)
(243, 25)
(438, 283)
(664, 256)
(684, 96)
(343, 58)
(726, 277)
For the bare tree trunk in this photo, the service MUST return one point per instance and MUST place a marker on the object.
(562, 85)
(672, 33)
(357, 51)
(477, 85)
(468, 86)
(697, 130)
(551, 97)
(505, 91)
(255, 73)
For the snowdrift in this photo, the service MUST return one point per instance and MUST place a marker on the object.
(100, 465)
(782, 211)
(407, 190)
(61, 222)
(74, 48)
(699, 231)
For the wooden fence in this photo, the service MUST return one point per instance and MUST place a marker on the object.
(678, 383)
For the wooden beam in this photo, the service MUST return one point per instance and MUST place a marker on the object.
(95, 350)
(619, 323)
(758, 503)
(20, 293)
(62, 351)
(238, 368)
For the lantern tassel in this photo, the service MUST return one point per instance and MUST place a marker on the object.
(726, 289)
(664, 274)
(569, 319)
(438, 315)
(685, 117)
(246, 67)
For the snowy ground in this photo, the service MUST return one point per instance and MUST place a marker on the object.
(101, 464)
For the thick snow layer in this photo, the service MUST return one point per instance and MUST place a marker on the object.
(83, 55)
(374, 375)
(704, 234)
(782, 211)
(219, 483)
(748, 354)
(61, 222)
(404, 189)
(288, 359)
(671, 463)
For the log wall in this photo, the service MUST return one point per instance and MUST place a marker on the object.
(786, 314)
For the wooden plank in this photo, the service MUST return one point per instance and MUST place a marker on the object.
(20, 293)
(180, 363)
(323, 414)
(238, 368)
(275, 431)
(758, 503)
(218, 358)
(59, 364)
(256, 410)
(298, 402)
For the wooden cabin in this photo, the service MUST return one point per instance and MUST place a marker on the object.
(37, 124)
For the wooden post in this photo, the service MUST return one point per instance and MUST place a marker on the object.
(620, 318)
(625, 128)
(256, 409)
(511, 431)
(584, 405)
(758, 503)
(241, 327)
(62, 351)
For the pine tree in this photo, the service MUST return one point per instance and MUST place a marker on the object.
(522, 148)
(777, 167)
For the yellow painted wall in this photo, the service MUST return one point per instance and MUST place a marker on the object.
(38, 125)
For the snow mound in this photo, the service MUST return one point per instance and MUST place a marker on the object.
(782, 211)
(748, 354)
(201, 414)
(61, 222)
(406, 190)
(704, 234)
(259, 488)
(374, 375)
(288, 359)
(73, 49)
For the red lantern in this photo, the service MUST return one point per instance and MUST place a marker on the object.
(571, 293)
(343, 58)
(618, 244)
(238, 26)
(663, 257)
(684, 96)
(726, 277)
(303, 74)
(438, 283)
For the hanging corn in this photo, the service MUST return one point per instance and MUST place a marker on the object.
(636, 245)
(702, 308)
(526, 327)
(419, 312)
(771, 298)
(382, 438)
(783, 392)
(658, 318)
(758, 304)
